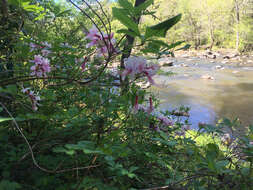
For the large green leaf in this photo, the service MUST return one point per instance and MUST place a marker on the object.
(143, 6)
(125, 20)
(4, 119)
(161, 29)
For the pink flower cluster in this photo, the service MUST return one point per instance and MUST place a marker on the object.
(104, 43)
(34, 98)
(44, 47)
(83, 62)
(138, 65)
(150, 110)
(183, 130)
(139, 107)
(41, 66)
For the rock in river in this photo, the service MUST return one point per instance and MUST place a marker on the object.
(207, 77)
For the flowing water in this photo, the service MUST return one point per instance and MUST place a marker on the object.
(229, 94)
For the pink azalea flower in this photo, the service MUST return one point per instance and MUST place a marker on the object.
(33, 46)
(93, 33)
(150, 109)
(165, 120)
(136, 104)
(151, 71)
(41, 66)
(180, 133)
(45, 52)
(138, 65)
(46, 45)
(84, 63)
(34, 98)
(103, 43)
(139, 107)
(186, 127)
(133, 66)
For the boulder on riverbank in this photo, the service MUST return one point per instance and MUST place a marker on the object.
(207, 77)
(166, 63)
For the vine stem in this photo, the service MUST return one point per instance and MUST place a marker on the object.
(32, 154)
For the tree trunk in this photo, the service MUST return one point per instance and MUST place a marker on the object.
(237, 16)
(128, 48)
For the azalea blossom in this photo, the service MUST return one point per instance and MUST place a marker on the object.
(150, 72)
(33, 46)
(45, 52)
(44, 47)
(133, 66)
(138, 65)
(165, 120)
(103, 42)
(34, 98)
(41, 66)
(227, 139)
(83, 66)
(136, 104)
(82, 61)
(150, 109)
(140, 107)
(65, 45)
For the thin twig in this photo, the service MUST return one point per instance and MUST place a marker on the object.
(109, 22)
(32, 154)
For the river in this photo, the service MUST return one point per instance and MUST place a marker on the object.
(212, 88)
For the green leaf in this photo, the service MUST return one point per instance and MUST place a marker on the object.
(152, 48)
(173, 45)
(130, 175)
(125, 20)
(133, 168)
(87, 151)
(63, 13)
(32, 7)
(128, 32)
(212, 152)
(41, 16)
(88, 147)
(63, 150)
(15, 2)
(143, 6)
(126, 5)
(221, 164)
(12, 89)
(8, 185)
(161, 29)
(163, 135)
(5, 119)
(186, 47)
